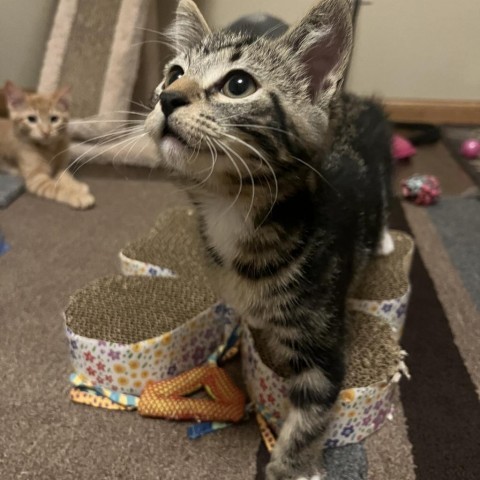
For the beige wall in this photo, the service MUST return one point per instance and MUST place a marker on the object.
(24, 29)
(418, 49)
(425, 49)
(223, 12)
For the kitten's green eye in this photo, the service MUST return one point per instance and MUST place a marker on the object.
(239, 84)
(32, 119)
(173, 75)
(54, 118)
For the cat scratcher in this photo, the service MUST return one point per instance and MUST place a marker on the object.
(377, 310)
(382, 290)
(374, 360)
(124, 331)
(171, 248)
(95, 47)
(374, 365)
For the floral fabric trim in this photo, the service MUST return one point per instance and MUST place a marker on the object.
(393, 311)
(358, 412)
(132, 267)
(128, 368)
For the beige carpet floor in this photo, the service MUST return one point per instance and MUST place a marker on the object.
(43, 436)
(56, 250)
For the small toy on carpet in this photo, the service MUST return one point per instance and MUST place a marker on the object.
(4, 246)
(86, 393)
(11, 186)
(402, 149)
(470, 148)
(421, 189)
(169, 398)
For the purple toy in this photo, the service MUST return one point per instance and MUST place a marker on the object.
(470, 148)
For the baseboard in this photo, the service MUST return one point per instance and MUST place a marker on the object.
(437, 112)
(3, 105)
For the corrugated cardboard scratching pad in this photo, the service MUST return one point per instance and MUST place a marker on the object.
(124, 331)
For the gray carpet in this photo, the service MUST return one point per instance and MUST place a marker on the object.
(346, 463)
(453, 137)
(458, 222)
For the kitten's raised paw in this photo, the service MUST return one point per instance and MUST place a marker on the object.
(280, 471)
(81, 201)
(386, 245)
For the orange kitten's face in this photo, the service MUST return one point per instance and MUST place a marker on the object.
(40, 118)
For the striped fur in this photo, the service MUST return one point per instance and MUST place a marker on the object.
(291, 184)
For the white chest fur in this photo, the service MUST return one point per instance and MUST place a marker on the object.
(225, 225)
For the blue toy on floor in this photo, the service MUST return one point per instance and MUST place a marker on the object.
(4, 247)
(11, 187)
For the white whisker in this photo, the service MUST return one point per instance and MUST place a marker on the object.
(156, 32)
(266, 127)
(140, 104)
(220, 144)
(110, 137)
(88, 122)
(213, 153)
(145, 42)
(102, 152)
(134, 142)
(317, 172)
(267, 163)
(249, 173)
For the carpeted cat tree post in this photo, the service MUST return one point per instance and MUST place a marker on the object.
(95, 47)
(160, 319)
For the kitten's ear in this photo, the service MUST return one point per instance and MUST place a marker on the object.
(189, 27)
(62, 97)
(15, 95)
(323, 39)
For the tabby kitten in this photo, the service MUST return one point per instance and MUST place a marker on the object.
(291, 180)
(34, 142)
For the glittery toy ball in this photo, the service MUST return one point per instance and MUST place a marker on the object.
(470, 148)
(421, 189)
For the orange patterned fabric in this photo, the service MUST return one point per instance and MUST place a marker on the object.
(267, 435)
(167, 398)
(78, 395)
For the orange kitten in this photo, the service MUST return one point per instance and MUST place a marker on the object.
(34, 143)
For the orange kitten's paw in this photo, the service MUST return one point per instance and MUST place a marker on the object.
(81, 201)
(82, 188)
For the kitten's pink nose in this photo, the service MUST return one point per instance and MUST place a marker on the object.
(46, 133)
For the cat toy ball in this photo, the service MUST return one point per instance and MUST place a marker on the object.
(470, 148)
(421, 189)
(402, 149)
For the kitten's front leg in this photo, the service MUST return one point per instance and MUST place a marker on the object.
(314, 389)
(70, 182)
(62, 175)
(42, 185)
(386, 245)
(38, 181)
